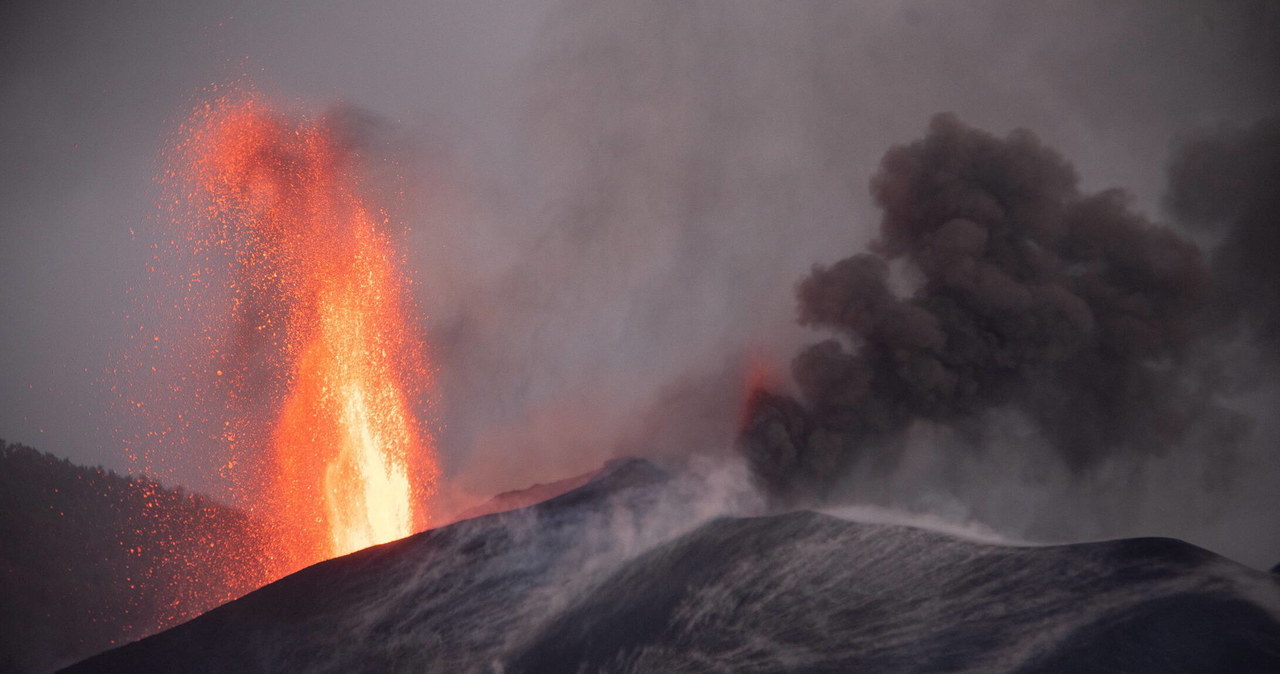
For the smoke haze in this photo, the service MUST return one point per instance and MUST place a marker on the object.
(612, 204)
(1069, 307)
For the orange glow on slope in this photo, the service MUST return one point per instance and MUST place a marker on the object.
(315, 287)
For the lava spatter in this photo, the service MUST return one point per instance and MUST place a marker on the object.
(317, 330)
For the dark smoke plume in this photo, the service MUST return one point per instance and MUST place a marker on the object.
(1228, 181)
(1024, 294)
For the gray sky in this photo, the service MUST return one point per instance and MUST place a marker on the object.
(613, 200)
(89, 97)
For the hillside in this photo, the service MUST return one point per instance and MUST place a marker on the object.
(92, 559)
(624, 575)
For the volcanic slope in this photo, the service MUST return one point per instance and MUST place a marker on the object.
(90, 559)
(616, 576)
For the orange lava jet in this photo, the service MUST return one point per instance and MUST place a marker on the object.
(319, 324)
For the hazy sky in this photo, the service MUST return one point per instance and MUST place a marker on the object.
(611, 202)
(91, 94)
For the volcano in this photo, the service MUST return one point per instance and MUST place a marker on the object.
(628, 573)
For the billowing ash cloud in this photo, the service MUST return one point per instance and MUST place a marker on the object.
(1025, 294)
(1226, 181)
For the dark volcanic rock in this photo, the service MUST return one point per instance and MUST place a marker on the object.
(444, 600)
(613, 577)
(90, 559)
(809, 592)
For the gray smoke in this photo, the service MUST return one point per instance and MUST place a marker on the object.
(1226, 181)
(611, 200)
(1030, 295)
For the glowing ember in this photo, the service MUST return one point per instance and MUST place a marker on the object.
(316, 294)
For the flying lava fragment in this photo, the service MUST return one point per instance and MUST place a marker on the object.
(320, 343)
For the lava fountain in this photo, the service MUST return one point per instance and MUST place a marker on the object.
(315, 291)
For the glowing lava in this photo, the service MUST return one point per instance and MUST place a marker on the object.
(319, 323)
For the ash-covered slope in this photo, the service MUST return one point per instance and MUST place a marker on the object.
(452, 599)
(814, 593)
(603, 579)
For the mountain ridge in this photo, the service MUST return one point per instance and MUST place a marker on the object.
(93, 558)
(615, 576)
